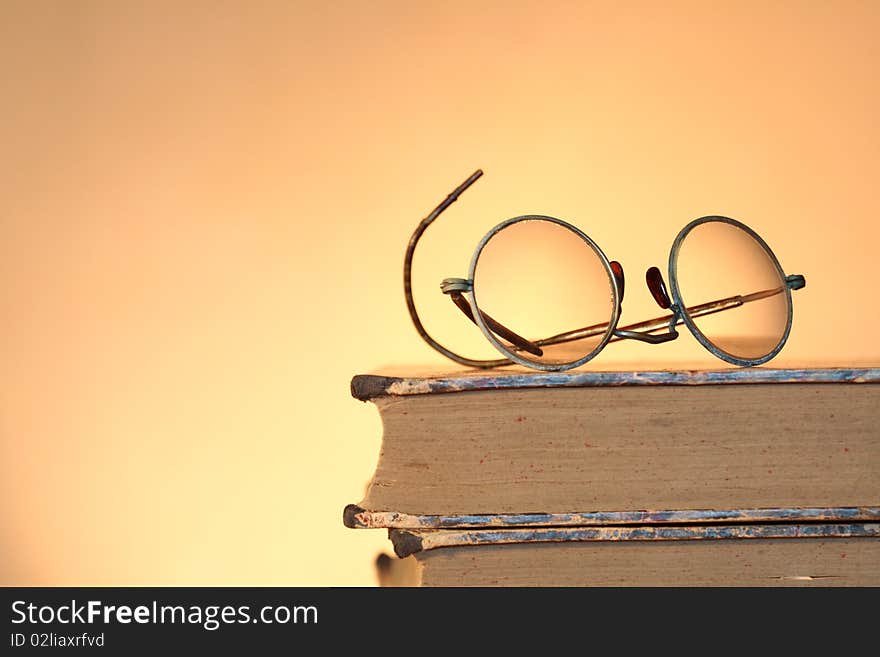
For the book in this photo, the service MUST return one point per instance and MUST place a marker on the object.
(507, 448)
(747, 556)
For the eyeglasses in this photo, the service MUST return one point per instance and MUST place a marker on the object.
(543, 278)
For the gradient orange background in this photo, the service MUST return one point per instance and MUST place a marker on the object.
(205, 207)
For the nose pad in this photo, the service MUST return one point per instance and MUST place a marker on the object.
(617, 270)
(657, 287)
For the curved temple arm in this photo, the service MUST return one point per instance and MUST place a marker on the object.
(407, 280)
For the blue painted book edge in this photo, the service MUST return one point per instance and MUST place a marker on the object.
(356, 517)
(371, 386)
(407, 542)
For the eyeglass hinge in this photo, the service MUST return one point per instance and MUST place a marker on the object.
(450, 285)
(795, 281)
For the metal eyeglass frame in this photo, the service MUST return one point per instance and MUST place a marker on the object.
(461, 291)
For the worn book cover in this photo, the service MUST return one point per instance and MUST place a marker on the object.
(511, 448)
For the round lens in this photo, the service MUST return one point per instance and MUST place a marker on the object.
(544, 291)
(733, 289)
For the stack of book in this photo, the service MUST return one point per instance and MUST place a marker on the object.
(734, 477)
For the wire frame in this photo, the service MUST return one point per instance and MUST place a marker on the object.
(682, 310)
(463, 294)
(493, 339)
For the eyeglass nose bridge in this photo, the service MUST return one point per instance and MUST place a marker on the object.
(657, 287)
(656, 284)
